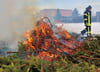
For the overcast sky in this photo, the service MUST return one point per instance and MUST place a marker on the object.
(70, 4)
(62, 4)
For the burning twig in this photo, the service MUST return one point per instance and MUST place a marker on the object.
(48, 41)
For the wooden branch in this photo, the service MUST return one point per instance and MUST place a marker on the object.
(21, 66)
(88, 57)
(11, 52)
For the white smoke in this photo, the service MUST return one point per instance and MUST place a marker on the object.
(16, 16)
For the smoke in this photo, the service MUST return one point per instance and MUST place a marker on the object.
(16, 16)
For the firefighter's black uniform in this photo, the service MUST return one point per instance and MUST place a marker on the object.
(87, 22)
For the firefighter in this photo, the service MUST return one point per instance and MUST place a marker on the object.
(87, 21)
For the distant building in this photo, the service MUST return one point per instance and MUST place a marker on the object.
(75, 13)
(67, 16)
(75, 16)
(58, 15)
(66, 19)
(53, 12)
(93, 19)
(98, 16)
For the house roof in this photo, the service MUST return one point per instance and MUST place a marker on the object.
(52, 12)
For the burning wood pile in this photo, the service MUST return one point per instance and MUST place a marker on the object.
(47, 41)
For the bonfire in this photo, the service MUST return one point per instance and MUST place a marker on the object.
(47, 41)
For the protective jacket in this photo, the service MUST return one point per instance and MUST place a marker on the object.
(87, 18)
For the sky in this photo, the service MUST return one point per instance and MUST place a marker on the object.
(70, 4)
(62, 4)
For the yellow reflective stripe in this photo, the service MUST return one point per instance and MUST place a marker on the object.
(88, 18)
(85, 19)
(88, 24)
(88, 30)
(85, 14)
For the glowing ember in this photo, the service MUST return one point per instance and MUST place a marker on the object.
(47, 41)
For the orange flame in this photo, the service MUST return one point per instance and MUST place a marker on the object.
(42, 41)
